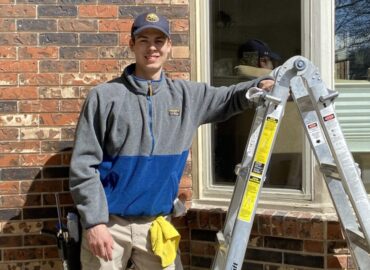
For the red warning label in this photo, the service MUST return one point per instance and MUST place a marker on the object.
(329, 117)
(312, 125)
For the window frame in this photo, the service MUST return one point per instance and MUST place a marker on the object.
(317, 39)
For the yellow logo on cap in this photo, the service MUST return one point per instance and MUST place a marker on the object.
(152, 17)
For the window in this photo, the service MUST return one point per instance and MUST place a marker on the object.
(227, 27)
(238, 28)
(352, 78)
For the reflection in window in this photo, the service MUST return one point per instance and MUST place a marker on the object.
(234, 24)
(352, 39)
(352, 73)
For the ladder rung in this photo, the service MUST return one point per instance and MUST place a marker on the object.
(220, 237)
(330, 170)
(358, 239)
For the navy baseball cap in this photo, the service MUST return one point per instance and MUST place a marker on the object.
(255, 45)
(150, 20)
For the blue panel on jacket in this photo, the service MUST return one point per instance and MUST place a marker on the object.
(147, 184)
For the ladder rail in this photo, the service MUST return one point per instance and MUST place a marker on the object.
(320, 146)
(240, 221)
(350, 175)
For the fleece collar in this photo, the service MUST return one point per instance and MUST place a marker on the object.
(140, 85)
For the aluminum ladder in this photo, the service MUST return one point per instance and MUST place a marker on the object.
(299, 78)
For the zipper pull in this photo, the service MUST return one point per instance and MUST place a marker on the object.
(150, 88)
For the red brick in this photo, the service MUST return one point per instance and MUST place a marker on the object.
(100, 66)
(37, 186)
(264, 222)
(17, 66)
(98, 11)
(8, 52)
(8, 79)
(39, 106)
(277, 222)
(22, 254)
(64, 199)
(39, 79)
(38, 52)
(200, 248)
(40, 159)
(18, 93)
(7, 25)
(14, 120)
(9, 160)
(9, 187)
(18, 11)
(40, 133)
(9, 134)
(39, 240)
(178, 65)
(291, 225)
(58, 66)
(58, 119)
(72, 105)
(180, 52)
(10, 241)
(71, 25)
(311, 227)
(21, 227)
(179, 25)
(124, 39)
(313, 246)
(86, 79)
(59, 92)
(334, 231)
(20, 147)
(19, 39)
(51, 252)
(10, 201)
(115, 25)
(179, 75)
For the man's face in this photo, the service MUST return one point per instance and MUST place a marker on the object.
(151, 48)
(266, 62)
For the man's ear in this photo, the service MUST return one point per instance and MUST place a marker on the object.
(131, 43)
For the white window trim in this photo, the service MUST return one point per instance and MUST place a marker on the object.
(317, 45)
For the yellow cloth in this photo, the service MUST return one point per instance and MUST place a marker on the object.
(165, 240)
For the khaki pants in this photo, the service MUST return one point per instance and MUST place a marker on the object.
(131, 242)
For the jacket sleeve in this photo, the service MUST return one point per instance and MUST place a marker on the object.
(85, 185)
(214, 104)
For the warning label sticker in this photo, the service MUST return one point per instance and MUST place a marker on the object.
(264, 145)
(249, 200)
(315, 133)
(329, 117)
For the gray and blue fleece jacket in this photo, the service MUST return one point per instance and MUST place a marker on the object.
(133, 139)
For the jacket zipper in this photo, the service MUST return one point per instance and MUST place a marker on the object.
(150, 110)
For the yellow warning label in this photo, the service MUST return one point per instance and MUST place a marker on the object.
(264, 145)
(249, 199)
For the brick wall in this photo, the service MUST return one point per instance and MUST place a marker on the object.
(51, 53)
(279, 240)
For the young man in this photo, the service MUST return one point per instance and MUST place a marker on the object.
(132, 142)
